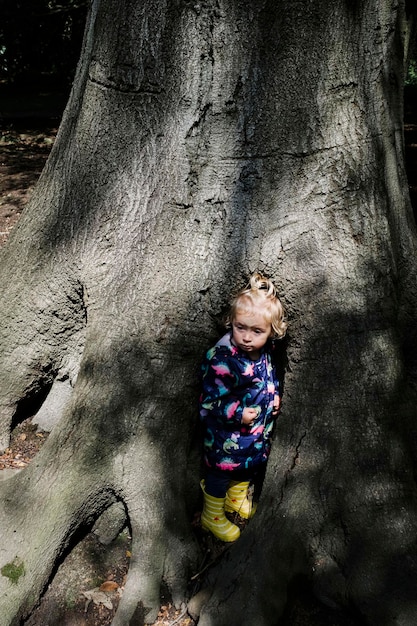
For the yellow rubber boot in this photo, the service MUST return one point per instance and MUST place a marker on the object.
(214, 519)
(237, 500)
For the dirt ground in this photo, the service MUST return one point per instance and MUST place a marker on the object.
(23, 152)
(86, 589)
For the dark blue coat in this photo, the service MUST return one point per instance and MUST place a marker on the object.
(230, 382)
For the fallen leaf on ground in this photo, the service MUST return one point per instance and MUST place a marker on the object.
(108, 585)
(98, 597)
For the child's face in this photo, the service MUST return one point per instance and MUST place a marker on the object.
(251, 331)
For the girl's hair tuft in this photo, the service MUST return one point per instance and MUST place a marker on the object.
(260, 292)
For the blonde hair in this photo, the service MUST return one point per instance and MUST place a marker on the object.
(260, 292)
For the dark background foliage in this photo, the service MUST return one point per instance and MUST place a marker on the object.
(40, 43)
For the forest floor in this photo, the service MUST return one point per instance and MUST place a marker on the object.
(86, 588)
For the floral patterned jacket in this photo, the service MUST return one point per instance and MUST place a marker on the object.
(230, 382)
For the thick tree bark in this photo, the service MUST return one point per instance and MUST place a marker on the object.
(203, 141)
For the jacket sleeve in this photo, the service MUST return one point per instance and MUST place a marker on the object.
(219, 382)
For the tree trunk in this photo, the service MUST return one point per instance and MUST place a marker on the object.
(201, 142)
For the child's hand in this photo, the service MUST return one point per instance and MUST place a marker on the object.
(249, 415)
(277, 404)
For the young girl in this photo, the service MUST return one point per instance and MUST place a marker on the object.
(239, 403)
